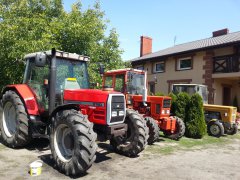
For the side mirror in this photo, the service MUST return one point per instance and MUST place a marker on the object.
(101, 69)
(40, 59)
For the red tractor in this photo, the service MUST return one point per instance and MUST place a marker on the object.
(54, 102)
(156, 109)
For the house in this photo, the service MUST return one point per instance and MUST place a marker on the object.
(213, 61)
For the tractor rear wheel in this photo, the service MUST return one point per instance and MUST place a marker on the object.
(153, 130)
(179, 131)
(136, 138)
(14, 121)
(215, 128)
(73, 142)
(233, 130)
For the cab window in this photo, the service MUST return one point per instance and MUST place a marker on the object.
(119, 83)
(108, 82)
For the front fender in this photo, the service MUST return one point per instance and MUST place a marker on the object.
(64, 107)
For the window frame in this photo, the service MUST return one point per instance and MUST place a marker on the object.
(140, 67)
(155, 67)
(178, 65)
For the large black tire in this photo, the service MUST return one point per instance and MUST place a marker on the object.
(136, 139)
(73, 142)
(179, 132)
(14, 121)
(153, 130)
(233, 130)
(215, 128)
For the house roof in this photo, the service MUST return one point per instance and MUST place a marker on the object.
(230, 38)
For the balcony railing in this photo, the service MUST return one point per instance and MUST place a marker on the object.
(226, 64)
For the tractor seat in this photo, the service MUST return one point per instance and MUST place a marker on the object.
(71, 83)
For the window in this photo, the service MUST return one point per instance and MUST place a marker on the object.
(108, 82)
(119, 83)
(159, 67)
(140, 67)
(184, 63)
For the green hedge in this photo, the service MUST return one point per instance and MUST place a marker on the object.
(173, 105)
(181, 106)
(194, 118)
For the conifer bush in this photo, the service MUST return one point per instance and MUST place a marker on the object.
(173, 103)
(195, 121)
(181, 107)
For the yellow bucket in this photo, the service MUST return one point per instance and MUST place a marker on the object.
(36, 168)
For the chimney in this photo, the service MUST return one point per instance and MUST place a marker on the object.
(146, 45)
(220, 32)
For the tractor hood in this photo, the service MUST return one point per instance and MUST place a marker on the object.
(102, 107)
(87, 95)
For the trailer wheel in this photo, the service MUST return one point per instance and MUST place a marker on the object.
(73, 142)
(215, 128)
(136, 138)
(153, 130)
(179, 132)
(233, 130)
(14, 121)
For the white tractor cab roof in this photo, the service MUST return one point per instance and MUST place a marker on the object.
(60, 54)
(191, 89)
(126, 69)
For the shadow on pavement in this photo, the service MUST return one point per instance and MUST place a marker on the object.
(40, 144)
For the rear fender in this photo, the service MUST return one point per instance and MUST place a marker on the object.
(26, 94)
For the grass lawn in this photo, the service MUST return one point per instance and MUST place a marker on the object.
(167, 146)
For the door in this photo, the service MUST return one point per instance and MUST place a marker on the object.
(227, 96)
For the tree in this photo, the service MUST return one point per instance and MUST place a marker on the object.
(182, 102)
(173, 103)
(195, 122)
(37, 25)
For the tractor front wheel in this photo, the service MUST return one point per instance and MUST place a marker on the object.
(215, 128)
(73, 142)
(136, 138)
(14, 121)
(153, 130)
(179, 131)
(233, 130)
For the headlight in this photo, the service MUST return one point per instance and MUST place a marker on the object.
(114, 113)
(163, 112)
(121, 113)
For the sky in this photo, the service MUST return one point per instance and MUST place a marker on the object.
(165, 20)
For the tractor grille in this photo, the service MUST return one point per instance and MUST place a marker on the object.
(166, 103)
(117, 109)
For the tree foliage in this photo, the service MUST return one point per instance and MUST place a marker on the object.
(173, 103)
(182, 102)
(36, 25)
(195, 122)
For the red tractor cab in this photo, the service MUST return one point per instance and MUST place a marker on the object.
(55, 101)
(133, 83)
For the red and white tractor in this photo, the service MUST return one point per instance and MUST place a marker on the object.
(55, 101)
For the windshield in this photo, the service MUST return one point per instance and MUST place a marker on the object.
(71, 69)
(135, 83)
(191, 89)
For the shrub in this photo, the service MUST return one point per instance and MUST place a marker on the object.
(181, 105)
(195, 122)
(173, 103)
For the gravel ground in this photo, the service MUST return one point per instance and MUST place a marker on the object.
(214, 162)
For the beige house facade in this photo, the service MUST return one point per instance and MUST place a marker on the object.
(213, 61)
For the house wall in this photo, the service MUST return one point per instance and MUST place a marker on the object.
(199, 74)
(171, 74)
